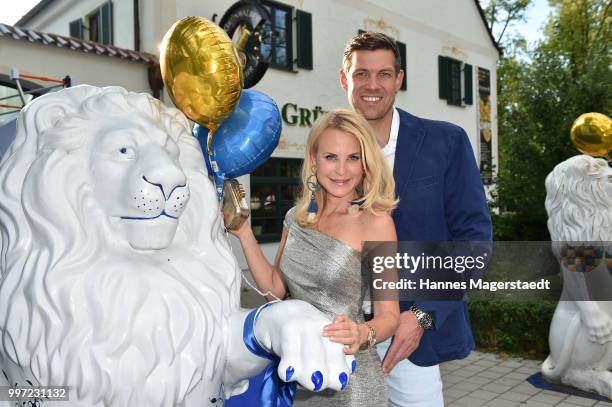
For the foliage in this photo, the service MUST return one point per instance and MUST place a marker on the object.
(515, 328)
(505, 12)
(541, 91)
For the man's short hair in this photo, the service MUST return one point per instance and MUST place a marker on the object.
(370, 41)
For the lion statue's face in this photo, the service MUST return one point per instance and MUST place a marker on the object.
(138, 181)
(116, 276)
(578, 197)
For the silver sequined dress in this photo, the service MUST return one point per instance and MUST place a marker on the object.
(326, 273)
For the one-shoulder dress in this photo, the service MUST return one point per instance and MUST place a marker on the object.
(326, 273)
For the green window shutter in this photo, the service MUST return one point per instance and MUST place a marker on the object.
(467, 80)
(304, 39)
(76, 28)
(454, 89)
(106, 12)
(401, 47)
(443, 79)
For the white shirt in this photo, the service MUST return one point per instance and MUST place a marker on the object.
(389, 149)
(389, 152)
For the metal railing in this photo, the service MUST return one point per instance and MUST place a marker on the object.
(16, 76)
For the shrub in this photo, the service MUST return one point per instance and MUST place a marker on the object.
(514, 328)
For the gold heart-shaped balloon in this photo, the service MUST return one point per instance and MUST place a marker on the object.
(591, 133)
(201, 71)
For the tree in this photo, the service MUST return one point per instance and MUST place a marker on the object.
(565, 75)
(505, 12)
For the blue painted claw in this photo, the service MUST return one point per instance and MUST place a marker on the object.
(317, 380)
(343, 379)
(353, 366)
(289, 373)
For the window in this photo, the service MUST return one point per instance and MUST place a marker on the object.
(98, 24)
(277, 46)
(76, 29)
(274, 187)
(454, 81)
(94, 26)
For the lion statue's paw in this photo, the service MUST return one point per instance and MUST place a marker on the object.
(293, 330)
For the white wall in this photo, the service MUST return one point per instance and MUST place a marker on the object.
(459, 18)
(436, 27)
(57, 17)
(83, 68)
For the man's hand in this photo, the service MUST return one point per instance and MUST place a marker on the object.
(405, 341)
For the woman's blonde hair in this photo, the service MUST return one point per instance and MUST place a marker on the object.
(377, 188)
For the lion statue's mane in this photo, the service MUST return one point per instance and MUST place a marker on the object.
(78, 305)
(577, 204)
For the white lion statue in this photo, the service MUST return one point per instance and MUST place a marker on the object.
(116, 276)
(579, 206)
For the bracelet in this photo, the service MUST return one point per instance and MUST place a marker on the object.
(371, 335)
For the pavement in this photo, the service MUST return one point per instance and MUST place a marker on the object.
(486, 380)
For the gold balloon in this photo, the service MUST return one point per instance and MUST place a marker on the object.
(592, 134)
(201, 71)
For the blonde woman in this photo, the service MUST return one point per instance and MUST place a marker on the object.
(348, 194)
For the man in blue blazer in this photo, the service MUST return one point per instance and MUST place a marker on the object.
(441, 199)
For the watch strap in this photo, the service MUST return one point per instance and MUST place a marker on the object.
(424, 320)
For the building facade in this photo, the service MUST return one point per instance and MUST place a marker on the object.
(448, 55)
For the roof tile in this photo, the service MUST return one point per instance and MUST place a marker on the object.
(76, 44)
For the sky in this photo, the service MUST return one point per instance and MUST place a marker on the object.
(11, 11)
(537, 15)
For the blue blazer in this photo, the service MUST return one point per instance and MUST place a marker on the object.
(441, 199)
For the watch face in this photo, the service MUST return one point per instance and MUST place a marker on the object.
(424, 320)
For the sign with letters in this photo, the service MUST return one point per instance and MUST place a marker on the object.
(484, 126)
(294, 115)
(244, 22)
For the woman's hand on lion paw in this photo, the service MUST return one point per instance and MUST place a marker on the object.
(345, 331)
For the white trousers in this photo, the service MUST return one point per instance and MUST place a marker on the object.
(411, 385)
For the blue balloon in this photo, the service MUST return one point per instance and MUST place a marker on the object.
(247, 138)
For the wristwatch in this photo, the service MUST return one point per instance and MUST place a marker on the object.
(371, 335)
(424, 320)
